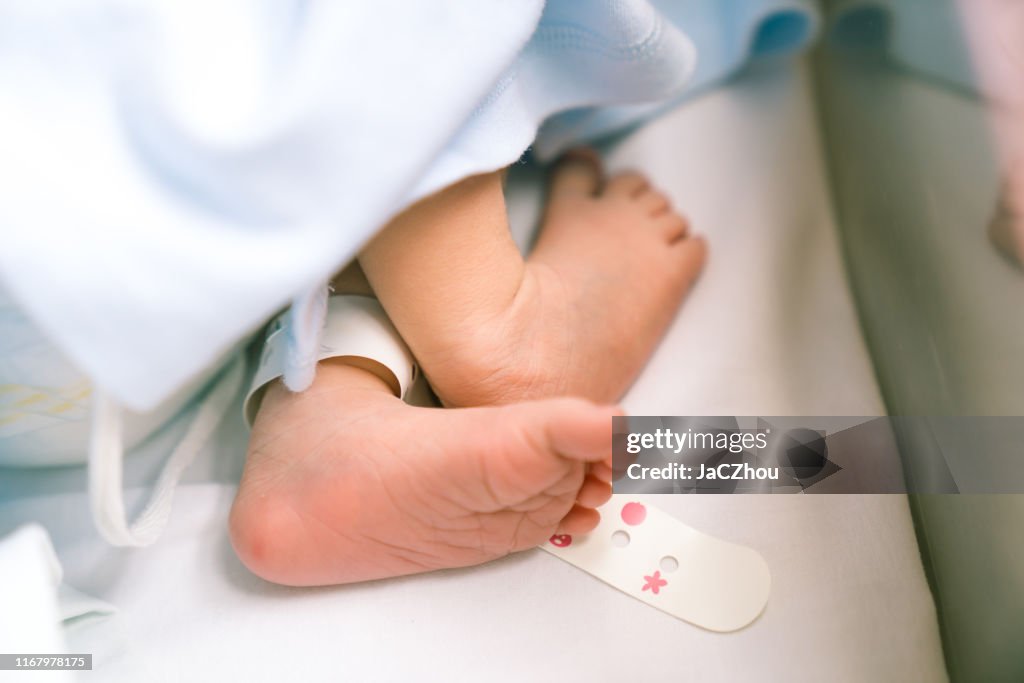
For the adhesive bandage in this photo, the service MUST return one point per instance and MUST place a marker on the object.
(355, 327)
(657, 559)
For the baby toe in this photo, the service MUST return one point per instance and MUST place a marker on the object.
(654, 203)
(579, 520)
(577, 174)
(627, 184)
(672, 226)
(594, 492)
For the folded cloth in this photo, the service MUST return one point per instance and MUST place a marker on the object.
(28, 592)
(727, 35)
(174, 173)
(35, 602)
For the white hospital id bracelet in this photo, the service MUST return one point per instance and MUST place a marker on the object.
(355, 327)
(651, 555)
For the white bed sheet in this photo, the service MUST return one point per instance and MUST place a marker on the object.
(770, 330)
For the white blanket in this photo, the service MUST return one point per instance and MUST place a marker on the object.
(175, 172)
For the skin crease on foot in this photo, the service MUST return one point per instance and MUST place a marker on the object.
(344, 482)
(580, 317)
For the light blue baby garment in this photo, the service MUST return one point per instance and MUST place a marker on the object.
(175, 173)
(45, 400)
(727, 35)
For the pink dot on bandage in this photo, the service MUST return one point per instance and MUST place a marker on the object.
(561, 540)
(633, 513)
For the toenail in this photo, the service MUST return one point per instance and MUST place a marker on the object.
(585, 154)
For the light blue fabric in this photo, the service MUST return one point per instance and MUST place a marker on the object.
(727, 35)
(174, 172)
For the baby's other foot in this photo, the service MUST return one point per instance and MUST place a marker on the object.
(346, 483)
(611, 267)
(1007, 227)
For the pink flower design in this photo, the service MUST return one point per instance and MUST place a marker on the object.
(654, 583)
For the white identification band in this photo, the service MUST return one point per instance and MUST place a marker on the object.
(657, 559)
(356, 327)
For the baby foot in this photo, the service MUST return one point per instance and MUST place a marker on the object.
(611, 266)
(346, 483)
